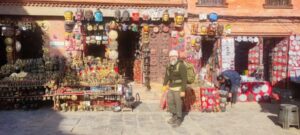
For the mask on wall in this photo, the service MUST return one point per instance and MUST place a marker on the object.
(68, 16)
(194, 30)
(166, 16)
(145, 16)
(179, 19)
(212, 29)
(135, 16)
(98, 16)
(79, 15)
(155, 16)
(88, 15)
(125, 16)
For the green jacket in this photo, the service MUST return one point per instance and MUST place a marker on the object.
(176, 76)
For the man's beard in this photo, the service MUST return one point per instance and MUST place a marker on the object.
(173, 62)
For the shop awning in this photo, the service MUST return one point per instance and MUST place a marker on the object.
(266, 29)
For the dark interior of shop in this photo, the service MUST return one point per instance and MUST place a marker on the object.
(241, 55)
(207, 50)
(128, 44)
(31, 45)
(2, 51)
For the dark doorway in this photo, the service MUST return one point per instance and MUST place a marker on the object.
(128, 44)
(207, 50)
(241, 55)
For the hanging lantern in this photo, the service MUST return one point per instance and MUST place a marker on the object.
(18, 46)
(135, 16)
(79, 15)
(98, 16)
(166, 16)
(213, 17)
(179, 19)
(68, 16)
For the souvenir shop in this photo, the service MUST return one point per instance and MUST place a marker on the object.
(89, 58)
(25, 72)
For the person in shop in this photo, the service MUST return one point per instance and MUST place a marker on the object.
(229, 81)
(175, 81)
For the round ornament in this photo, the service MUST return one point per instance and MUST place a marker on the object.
(113, 35)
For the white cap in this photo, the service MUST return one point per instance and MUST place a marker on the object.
(173, 53)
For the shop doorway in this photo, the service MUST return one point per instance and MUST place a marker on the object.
(207, 51)
(241, 58)
(128, 44)
(275, 60)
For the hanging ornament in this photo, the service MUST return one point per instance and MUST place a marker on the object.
(179, 19)
(117, 15)
(134, 28)
(68, 16)
(211, 30)
(88, 15)
(125, 16)
(155, 15)
(113, 35)
(166, 16)
(113, 55)
(135, 16)
(79, 15)
(213, 17)
(98, 16)
(18, 46)
(194, 30)
(113, 25)
(203, 30)
(8, 41)
(145, 15)
(146, 28)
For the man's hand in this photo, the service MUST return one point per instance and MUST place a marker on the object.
(230, 94)
(182, 94)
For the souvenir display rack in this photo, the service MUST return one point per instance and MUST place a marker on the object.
(294, 58)
(29, 87)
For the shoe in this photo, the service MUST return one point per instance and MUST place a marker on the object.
(177, 123)
(172, 120)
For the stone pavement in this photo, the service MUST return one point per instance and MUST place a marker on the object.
(146, 119)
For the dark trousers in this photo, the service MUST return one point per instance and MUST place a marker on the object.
(174, 102)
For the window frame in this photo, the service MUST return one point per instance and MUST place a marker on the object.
(268, 6)
(224, 5)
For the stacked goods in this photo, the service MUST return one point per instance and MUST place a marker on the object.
(212, 100)
(28, 83)
(255, 91)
